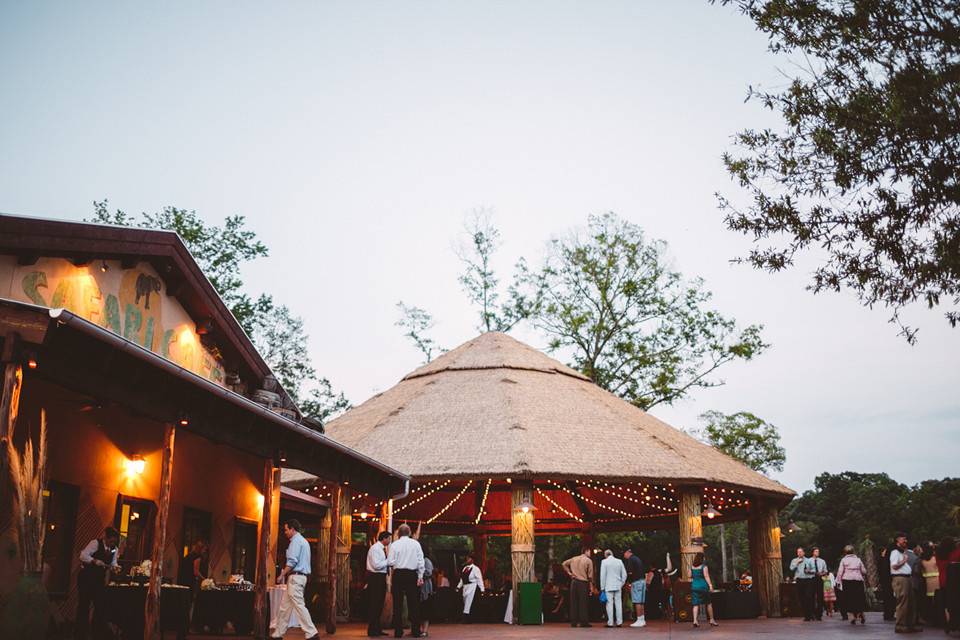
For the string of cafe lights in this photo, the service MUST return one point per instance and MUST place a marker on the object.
(483, 502)
(423, 497)
(558, 506)
(450, 504)
(647, 500)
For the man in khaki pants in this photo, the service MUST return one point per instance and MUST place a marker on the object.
(902, 586)
(298, 568)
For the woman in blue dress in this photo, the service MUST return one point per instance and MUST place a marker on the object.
(700, 589)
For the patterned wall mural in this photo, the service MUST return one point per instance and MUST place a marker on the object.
(129, 302)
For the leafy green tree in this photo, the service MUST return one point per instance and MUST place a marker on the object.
(417, 324)
(932, 509)
(865, 170)
(744, 437)
(848, 506)
(219, 250)
(632, 324)
(323, 403)
(278, 334)
(480, 282)
(756, 443)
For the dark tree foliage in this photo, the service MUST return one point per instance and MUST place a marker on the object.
(866, 170)
(844, 508)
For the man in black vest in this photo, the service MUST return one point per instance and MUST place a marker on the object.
(96, 559)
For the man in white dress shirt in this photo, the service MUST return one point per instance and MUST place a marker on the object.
(376, 583)
(613, 575)
(902, 587)
(406, 559)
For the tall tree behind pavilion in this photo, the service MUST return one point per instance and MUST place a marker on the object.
(279, 335)
(754, 442)
(865, 171)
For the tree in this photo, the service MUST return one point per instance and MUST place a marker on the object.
(744, 437)
(417, 323)
(277, 333)
(754, 442)
(866, 170)
(480, 282)
(632, 324)
(323, 403)
(219, 250)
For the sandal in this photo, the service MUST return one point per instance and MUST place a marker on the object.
(696, 625)
(713, 623)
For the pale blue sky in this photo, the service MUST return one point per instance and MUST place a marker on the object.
(355, 136)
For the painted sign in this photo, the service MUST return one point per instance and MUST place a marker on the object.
(129, 302)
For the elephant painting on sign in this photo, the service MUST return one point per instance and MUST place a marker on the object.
(145, 286)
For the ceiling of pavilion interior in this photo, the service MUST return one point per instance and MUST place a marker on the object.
(458, 506)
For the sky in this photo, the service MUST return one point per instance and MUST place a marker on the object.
(356, 136)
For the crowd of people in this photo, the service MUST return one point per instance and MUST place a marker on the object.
(912, 584)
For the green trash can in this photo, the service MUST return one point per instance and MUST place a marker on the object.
(531, 603)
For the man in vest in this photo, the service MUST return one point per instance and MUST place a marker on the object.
(96, 560)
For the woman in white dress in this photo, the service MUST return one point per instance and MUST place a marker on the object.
(470, 580)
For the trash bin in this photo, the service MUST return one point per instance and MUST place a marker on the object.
(531, 604)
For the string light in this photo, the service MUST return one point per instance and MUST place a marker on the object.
(450, 504)
(483, 502)
(423, 497)
(558, 506)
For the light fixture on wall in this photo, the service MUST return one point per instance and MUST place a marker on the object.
(525, 507)
(103, 266)
(183, 419)
(136, 465)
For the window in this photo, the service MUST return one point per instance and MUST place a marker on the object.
(134, 520)
(61, 514)
(245, 548)
(197, 526)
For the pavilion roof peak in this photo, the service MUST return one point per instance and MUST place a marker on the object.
(494, 350)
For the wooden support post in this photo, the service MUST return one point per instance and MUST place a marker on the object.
(766, 565)
(321, 564)
(261, 604)
(691, 526)
(332, 557)
(480, 550)
(151, 612)
(344, 542)
(10, 400)
(522, 541)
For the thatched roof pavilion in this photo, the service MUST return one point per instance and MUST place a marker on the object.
(495, 431)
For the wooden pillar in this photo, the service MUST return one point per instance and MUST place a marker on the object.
(10, 400)
(766, 565)
(321, 563)
(691, 527)
(332, 557)
(344, 542)
(151, 612)
(522, 544)
(261, 604)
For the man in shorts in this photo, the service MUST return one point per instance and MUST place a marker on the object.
(637, 578)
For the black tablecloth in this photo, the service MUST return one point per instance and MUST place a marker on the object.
(123, 607)
(488, 607)
(215, 608)
(729, 605)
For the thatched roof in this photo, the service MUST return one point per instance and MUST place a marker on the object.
(495, 407)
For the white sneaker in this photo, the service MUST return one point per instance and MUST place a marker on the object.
(639, 623)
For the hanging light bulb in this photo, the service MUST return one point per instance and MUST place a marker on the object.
(710, 512)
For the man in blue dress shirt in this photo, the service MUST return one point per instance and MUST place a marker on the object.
(297, 568)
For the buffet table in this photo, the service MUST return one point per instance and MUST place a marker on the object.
(215, 608)
(730, 605)
(122, 605)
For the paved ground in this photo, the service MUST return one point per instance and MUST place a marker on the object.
(791, 629)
